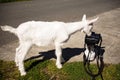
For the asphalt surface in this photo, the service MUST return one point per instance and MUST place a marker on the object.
(16, 13)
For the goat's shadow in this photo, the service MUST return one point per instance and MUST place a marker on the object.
(67, 54)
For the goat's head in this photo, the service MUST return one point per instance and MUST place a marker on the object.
(87, 25)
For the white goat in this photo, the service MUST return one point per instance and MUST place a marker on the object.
(43, 33)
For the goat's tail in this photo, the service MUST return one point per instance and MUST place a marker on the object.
(8, 28)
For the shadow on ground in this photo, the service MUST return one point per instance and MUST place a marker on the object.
(67, 54)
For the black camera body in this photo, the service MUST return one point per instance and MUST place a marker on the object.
(93, 39)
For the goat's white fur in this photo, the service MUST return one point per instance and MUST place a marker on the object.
(43, 33)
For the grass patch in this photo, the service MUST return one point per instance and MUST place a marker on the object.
(6, 1)
(46, 70)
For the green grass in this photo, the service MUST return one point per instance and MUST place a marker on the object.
(46, 70)
(6, 1)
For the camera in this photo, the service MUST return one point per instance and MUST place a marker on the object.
(93, 39)
(93, 51)
(91, 44)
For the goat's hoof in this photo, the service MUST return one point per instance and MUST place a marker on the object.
(23, 74)
(59, 66)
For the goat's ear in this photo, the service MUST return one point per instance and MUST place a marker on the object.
(84, 17)
(93, 20)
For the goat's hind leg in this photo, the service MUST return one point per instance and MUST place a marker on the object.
(16, 56)
(24, 48)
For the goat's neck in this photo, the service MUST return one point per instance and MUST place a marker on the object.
(73, 27)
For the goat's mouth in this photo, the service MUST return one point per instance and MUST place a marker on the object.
(89, 34)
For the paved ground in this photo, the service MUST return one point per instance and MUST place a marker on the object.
(63, 10)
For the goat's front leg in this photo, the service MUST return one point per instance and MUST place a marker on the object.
(58, 53)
